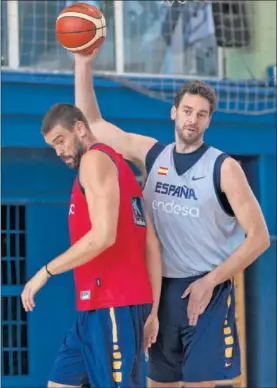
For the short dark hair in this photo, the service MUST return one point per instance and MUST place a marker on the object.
(66, 115)
(197, 88)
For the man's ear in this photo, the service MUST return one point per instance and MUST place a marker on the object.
(81, 129)
(173, 113)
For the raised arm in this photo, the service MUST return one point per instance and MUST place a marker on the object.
(132, 146)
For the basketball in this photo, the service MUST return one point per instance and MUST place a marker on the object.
(81, 28)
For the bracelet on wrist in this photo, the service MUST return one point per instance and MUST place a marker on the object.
(48, 272)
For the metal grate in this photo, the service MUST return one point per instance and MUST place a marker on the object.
(14, 337)
(14, 319)
(13, 245)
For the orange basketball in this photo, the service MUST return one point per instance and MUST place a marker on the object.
(81, 28)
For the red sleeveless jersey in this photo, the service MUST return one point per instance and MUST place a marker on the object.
(118, 276)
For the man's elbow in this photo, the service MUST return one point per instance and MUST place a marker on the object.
(265, 243)
(261, 239)
(107, 239)
(95, 125)
(110, 240)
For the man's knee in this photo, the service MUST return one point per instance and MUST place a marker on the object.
(203, 384)
(51, 384)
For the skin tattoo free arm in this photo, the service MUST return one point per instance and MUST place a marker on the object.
(102, 195)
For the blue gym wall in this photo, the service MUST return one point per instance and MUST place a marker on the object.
(34, 177)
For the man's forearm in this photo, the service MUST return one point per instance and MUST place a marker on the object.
(246, 254)
(86, 249)
(85, 98)
(154, 267)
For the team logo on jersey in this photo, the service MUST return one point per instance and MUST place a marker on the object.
(72, 209)
(163, 171)
(138, 211)
(85, 295)
(175, 191)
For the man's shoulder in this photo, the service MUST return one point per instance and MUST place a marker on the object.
(153, 154)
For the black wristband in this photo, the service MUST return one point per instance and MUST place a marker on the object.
(47, 270)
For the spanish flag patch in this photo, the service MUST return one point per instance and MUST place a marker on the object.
(163, 171)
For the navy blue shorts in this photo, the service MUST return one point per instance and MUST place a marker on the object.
(104, 348)
(207, 352)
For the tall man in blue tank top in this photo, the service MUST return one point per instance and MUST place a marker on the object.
(210, 228)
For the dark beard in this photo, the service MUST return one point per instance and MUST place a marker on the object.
(76, 157)
(80, 150)
(188, 140)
